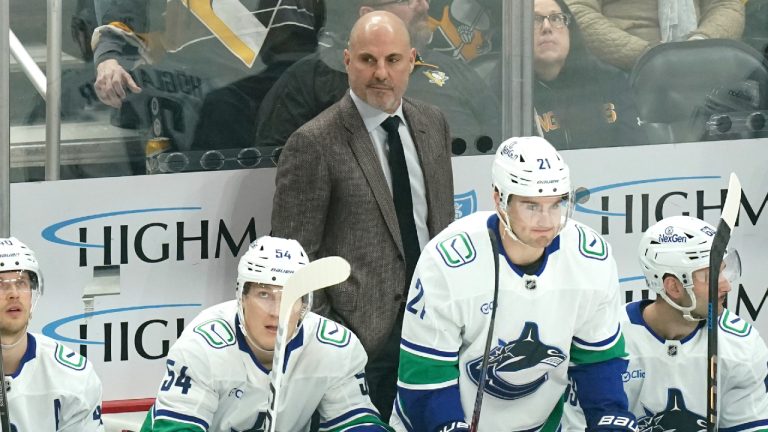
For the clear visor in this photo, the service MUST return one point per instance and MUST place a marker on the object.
(541, 212)
(266, 300)
(730, 269)
(20, 281)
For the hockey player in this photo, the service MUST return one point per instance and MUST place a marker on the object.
(558, 311)
(49, 386)
(218, 370)
(667, 339)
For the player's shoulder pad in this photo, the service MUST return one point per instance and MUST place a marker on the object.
(589, 243)
(68, 358)
(216, 332)
(332, 334)
(734, 325)
(457, 245)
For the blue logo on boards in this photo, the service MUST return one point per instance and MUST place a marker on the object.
(50, 233)
(518, 368)
(465, 204)
(52, 328)
(628, 184)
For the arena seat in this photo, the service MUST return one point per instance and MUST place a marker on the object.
(683, 88)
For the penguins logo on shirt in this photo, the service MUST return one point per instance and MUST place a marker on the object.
(517, 369)
(436, 77)
(674, 417)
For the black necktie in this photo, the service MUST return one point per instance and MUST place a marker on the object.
(401, 195)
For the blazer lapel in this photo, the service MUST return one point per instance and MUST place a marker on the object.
(418, 128)
(362, 147)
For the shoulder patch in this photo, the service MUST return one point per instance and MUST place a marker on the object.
(591, 245)
(332, 333)
(733, 324)
(67, 357)
(457, 250)
(216, 332)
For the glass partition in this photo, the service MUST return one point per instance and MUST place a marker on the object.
(154, 86)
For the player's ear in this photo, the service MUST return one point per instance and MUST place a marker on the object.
(495, 197)
(673, 287)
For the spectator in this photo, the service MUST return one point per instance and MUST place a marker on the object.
(580, 103)
(184, 66)
(319, 80)
(218, 370)
(620, 31)
(49, 386)
(667, 339)
(369, 179)
(465, 29)
(555, 285)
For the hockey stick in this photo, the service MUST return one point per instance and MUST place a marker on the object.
(719, 245)
(317, 274)
(487, 352)
(5, 417)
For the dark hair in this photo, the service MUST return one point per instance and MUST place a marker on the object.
(580, 60)
(584, 83)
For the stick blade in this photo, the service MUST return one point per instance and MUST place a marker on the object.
(732, 202)
(318, 274)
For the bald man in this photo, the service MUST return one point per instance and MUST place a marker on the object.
(347, 186)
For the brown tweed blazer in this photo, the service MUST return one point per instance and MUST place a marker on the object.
(333, 198)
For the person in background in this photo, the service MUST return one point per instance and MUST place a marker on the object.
(196, 72)
(580, 102)
(620, 31)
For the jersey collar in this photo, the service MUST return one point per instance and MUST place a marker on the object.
(635, 314)
(29, 354)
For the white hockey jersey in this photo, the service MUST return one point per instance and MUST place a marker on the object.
(214, 382)
(666, 379)
(568, 313)
(54, 389)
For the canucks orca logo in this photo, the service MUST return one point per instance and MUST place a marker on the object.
(675, 417)
(518, 368)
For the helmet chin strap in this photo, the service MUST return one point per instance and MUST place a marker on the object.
(685, 310)
(6, 347)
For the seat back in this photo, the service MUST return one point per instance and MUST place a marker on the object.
(680, 86)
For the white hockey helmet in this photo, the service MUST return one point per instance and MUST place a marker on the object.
(16, 256)
(270, 261)
(530, 167)
(678, 246)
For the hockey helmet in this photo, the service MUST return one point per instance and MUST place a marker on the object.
(270, 261)
(16, 256)
(530, 167)
(678, 246)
